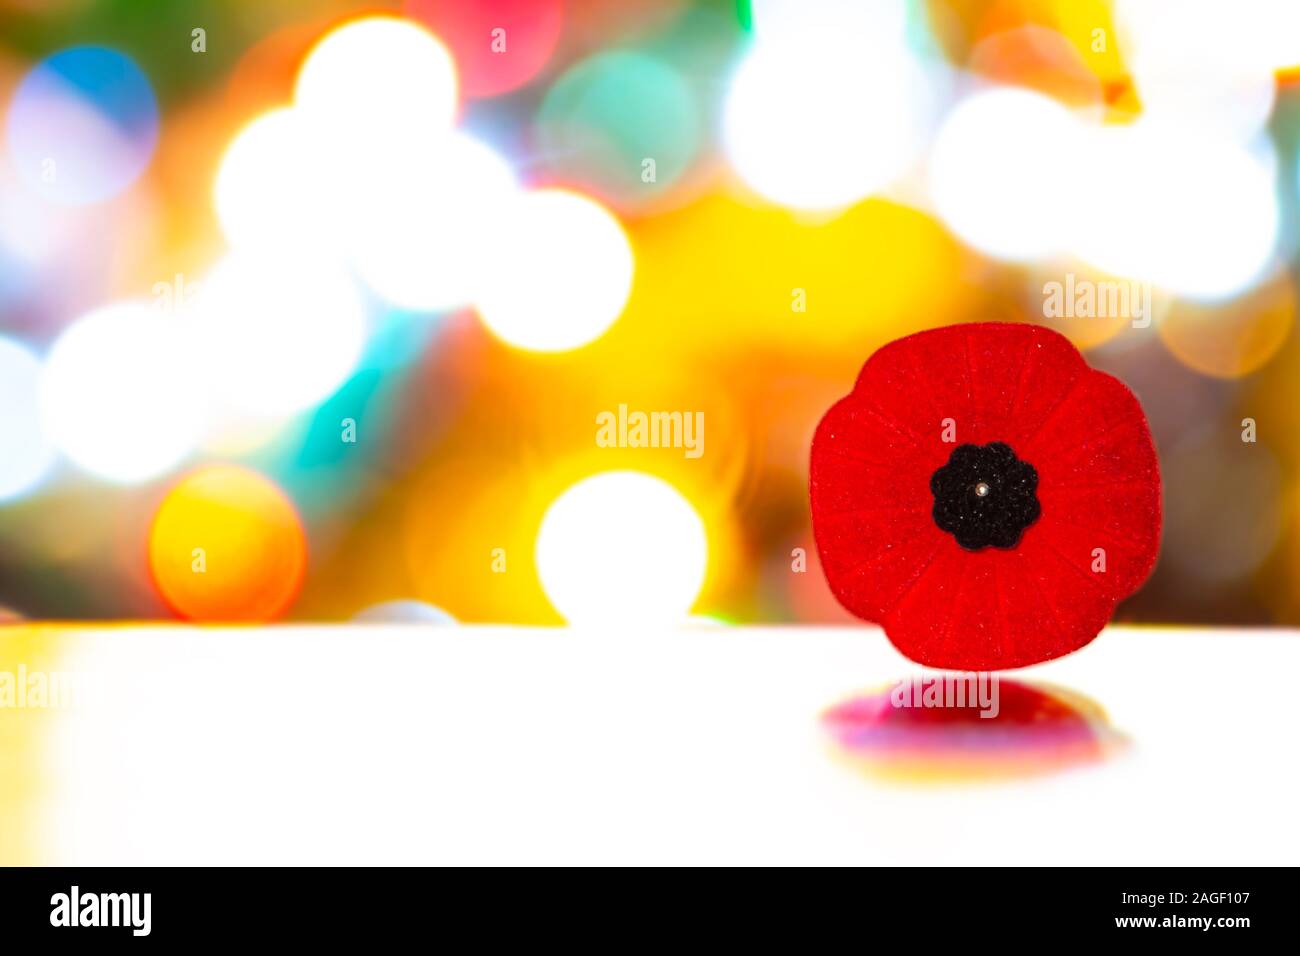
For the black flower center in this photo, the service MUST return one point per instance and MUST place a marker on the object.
(985, 495)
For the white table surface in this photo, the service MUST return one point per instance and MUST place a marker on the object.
(511, 745)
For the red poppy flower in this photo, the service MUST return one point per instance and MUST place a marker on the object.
(985, 496)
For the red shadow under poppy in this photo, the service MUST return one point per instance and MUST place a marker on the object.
(1038, 729)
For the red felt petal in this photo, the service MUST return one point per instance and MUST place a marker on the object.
(1080, 604)
(886, 571)
(1099, 487)
(1022, 379)
(1080, 523)
(1099, 409)
(858, 458)
(897, 380)
(873, 530)
(1099, 484)
(996, 381)
(994, 609)
(923, 623)
(1036, 628)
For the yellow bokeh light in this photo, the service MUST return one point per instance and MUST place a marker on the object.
(227, 545)
(1229, 340)
(841, 287)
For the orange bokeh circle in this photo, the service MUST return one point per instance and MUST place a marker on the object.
(227, 545)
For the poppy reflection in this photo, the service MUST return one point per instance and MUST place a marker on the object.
(920, 731)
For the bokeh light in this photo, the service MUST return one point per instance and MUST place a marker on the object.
(562, 272)
(373, 86)
(874, 272)
(1000, 170)
(1257, 33)
(820, 115)
(227, 545)
(1203, 94)
(622, 547)
(82, 125)
(59, 260)
(1195, 215)
(1235, 338)
(610, 115)
(499, 45)
(270, 192)
(120, 393)
(1208, 75)
(404, 611)
(25, 454)
(277, 335)
(422, 235)
(1041, 60)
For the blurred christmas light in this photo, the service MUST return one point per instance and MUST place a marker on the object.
(375, 86)
(827, 18)
(120, 393)
(1000, 173)
(58, 260)
(421, 234)
(25, 454)
(874, 272)
(1234, 338)
(562, 273)
(235, 433)
(1195, 215)
(277, 335)
(1019, 177)
(32, 232)
(1251, 33)
(623, 125)
(622, 548)
(1041, 60)
(1206, 96)
(227, 545)
(82, 125)
(404, 612)
(1211, 76)
(830, 107)
(499, 45)
(269, 190)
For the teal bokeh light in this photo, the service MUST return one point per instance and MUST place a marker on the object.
(624, 125)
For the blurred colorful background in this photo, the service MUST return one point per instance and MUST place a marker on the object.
(313, 310)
